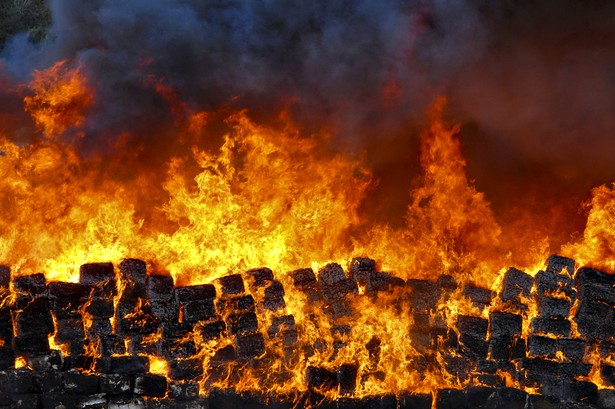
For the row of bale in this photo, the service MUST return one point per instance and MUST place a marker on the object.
(544, 335)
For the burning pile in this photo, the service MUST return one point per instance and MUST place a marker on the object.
(131, 336)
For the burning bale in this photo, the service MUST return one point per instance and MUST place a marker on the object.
(132, 334)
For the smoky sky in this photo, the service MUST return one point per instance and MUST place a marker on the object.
(531, 82)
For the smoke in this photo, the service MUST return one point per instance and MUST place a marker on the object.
(532, 82)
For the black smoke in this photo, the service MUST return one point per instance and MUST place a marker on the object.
(532, 82)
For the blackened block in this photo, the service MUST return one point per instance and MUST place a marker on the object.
(133, 270)
(142, 344)
(512, 398)
(468, 325)
(592, 314)
(81, 384)
(185, 369)
(244, 323)
(320, 378)
(30, 285)
(30, 344)
(112, 344)
(18, 381)
(553, 307)
(66, 298)
(458, 366)
(176, 329)
(304, 278)
(260, 276)
(414, 401)
(183, 391)
(99, 327)
(176, 348)
(213, 330)
(347, 378)
(123, 365)
(143, 322)
(388, 401)
(68, 330)
(284, 322)
(573, 349)
(552, 326)
(224, 355)
(558, 264)
(582, 391)
(423, 294)
(195, 293)
(100, 307)
(606, 399)
(48, 381)
(549, 282)
(160, 287)
(480, 396)
(516, 283)
(33, 324)
(334, 284)
(519, 348)
(7, 358)
(151, 385)
(274, 304)
(539, 371)
(494, 381)
(55, 400)
(504, 324)
(231, 284)
(570, 370)
(241, 303)
(5, 276)
(607, 373)
(114, 384)
(165, 310)
(480, 297)
(250, 345)
(77, 362)
(500, 348)
(451, 399)
(6, 325)
(100, 276)
(542, 346)
(194, 311)
(274, 290)
(588, 275)
(475, 345)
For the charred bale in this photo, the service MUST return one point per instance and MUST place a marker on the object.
(480, 297)
(260, 276)
(150, 385)
(231, 284)
(305, 281)
(423, 295)
(100, 277)
(551, 326)
(516, 284)
(250, 345)
(549, 283)
(504, 324)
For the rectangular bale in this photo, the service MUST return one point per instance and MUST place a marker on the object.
(231, 284)
(320, 378)
(159, 287)
(175, 330)
(549, 307)
(505, 324)
(571, 370)
(260, 276)
(249, 346)
(185, 369)
(194, 311)
(243, 323)
(111, 344)
(98, 328)
(573, 349)
(176, 349)
(6, 325)
(551, 326)
(423, 295)
(213, 330)
(240, 303)
(123, 365)
(414, 401)
(224, 355)
(515, 284)
(607, 374)
(334, 284)
(165, 310)
(549, 283)
(77, 362)
(560, 265)
(133, 271)
(17, 381)
(281, 323)
(592, 314)
(30, 285)
(51, 360)
(150, 385)
(540, 346)
(99, 276)
(304, 278)
(48, 381)
(450, 399)
(142, 345)
(347, 378)
(34, 324)
(195, 293)
(142, 322)
(475, 326)
(474, 345)
(99, 307)
(81, 384)
(500, 348)
(67, 298)
(25, 344)
(480, 297)
(362, 270)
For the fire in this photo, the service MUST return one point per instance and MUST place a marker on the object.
(269, 195)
